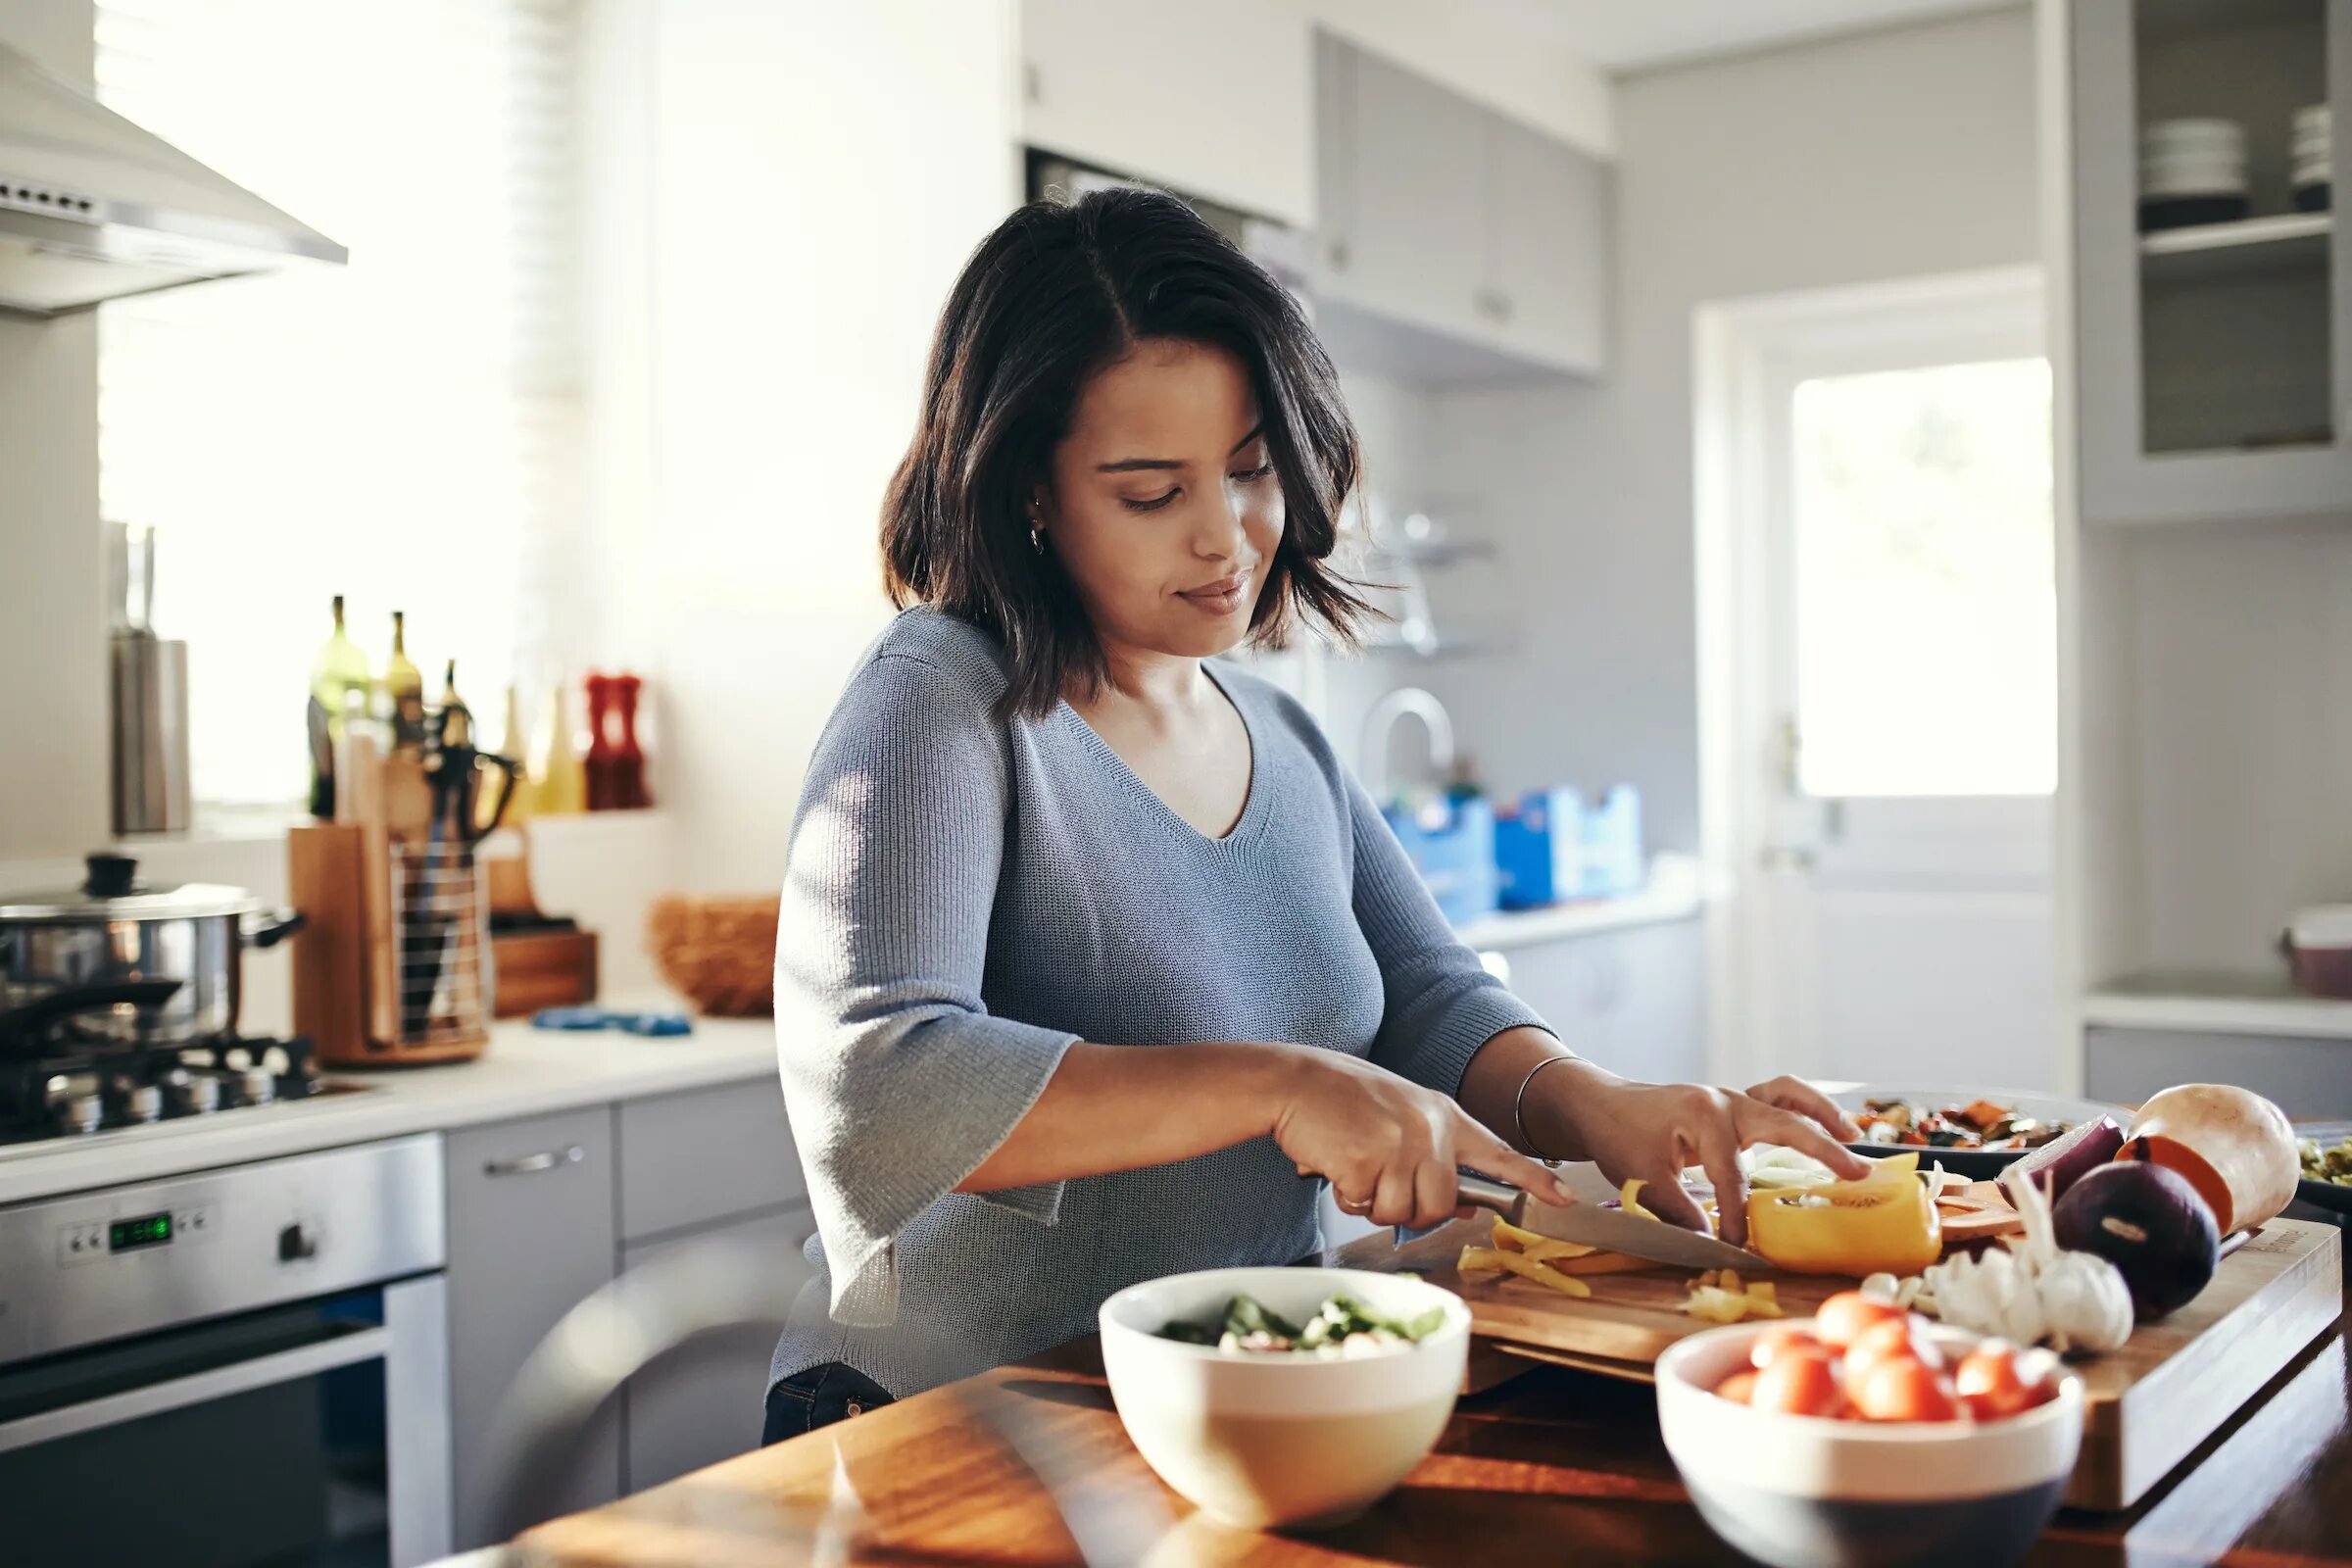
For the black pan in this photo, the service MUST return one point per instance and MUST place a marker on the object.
(1977, 1164)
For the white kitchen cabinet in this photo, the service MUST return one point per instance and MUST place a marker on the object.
(530, 1234)
(1629, 1000)
(1210, 97)
(1548, 208)
(1418, 242)
(704, 1401)
(2215, 364)
(1457, 245)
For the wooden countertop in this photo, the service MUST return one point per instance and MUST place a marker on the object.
(1554, 1466)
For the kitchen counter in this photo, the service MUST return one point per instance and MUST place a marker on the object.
(526, 1071)
(1674, 892)
(1554, 1465)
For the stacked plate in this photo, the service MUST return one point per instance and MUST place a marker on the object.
(2193, 171)
(2314, 168)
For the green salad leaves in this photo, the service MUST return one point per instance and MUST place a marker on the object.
(1341, 1326)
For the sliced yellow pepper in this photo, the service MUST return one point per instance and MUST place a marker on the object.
(1493, 1259)
(1543, 1248)
(1885, 1222)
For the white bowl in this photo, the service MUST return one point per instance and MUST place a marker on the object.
(2168, 134)
(1805, 1491)
(1266, 1441)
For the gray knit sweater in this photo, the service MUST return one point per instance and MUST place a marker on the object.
(964, 900)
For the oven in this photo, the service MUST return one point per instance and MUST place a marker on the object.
(241, 1367)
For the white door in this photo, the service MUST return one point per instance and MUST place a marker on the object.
(1887, 745)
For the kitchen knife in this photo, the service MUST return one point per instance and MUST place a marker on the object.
(1611, 1229)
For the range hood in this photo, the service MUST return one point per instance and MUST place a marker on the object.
(92, 208)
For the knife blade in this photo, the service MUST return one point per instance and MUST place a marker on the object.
(1611, 1229)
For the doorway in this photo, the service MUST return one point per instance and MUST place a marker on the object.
(1878, 683)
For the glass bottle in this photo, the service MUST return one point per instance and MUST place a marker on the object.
(340, 670)
(404, 688)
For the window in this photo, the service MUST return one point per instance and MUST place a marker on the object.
(400, 430)
(1925, 613)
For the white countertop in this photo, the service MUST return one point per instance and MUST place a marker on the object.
(1673, 893)
(525, 1071)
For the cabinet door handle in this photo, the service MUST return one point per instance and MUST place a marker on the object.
(532, 1164)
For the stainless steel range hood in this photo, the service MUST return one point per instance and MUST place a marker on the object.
(92, 208)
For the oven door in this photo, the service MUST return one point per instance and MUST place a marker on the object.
(315, 1432)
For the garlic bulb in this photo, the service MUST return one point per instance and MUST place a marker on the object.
(2037, 1292)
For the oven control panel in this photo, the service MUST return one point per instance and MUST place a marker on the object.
(128, 1260)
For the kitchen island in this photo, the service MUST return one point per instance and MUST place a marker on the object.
(1555, 1465)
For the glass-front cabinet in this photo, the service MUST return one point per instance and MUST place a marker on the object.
(2214, 313)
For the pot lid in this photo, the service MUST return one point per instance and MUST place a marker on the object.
(114, 892)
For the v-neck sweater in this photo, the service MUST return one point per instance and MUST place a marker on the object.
(967, 897)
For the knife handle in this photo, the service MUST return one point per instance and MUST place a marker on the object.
(1481, 1193)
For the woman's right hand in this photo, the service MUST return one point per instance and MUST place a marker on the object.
(1390, 1147)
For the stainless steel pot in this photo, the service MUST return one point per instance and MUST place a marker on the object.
(114, 929)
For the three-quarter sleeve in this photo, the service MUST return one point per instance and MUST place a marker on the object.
(898, 1081)
(1441, 1004)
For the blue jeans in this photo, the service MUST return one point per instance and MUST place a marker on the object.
(824, 1393)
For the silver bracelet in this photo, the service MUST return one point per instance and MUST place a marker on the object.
(1519, 1103)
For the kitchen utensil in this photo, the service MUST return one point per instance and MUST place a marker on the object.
(2318, 944)
(26, 1027)
(653, 1024)
(2149, 1404)
(148, 695)
(1265, 1442)
(1611, 1229)
(1799, 1490)
(1977, 1164)
(113, 928)
(2332, 1195)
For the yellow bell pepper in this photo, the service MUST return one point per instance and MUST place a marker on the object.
(1884, 1223)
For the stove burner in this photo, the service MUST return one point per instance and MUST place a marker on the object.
(75, 1114)
(59, 1085)
(192, 1094)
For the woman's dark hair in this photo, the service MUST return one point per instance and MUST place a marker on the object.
(1055, 294)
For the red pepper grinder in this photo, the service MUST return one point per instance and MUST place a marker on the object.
(600, 765)
(628, 759)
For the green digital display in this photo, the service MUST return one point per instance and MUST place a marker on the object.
(148, 1230)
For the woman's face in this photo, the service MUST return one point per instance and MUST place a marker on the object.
(1163, 506)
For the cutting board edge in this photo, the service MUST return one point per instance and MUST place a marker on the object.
(2112, 1473)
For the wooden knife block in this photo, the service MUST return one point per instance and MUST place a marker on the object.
(348, 961)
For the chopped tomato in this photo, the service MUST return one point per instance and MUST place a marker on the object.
(1739, 1386)
(1798, 1384)
(1989, 1383)
(1900, 1388)
(1779, 1339)
(1841, 1318)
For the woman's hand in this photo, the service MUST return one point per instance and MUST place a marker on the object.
(1390, 1147)
(1654, 1131)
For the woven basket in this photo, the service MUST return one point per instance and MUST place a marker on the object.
(720, 954)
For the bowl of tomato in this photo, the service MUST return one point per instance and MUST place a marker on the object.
(1868, 1437)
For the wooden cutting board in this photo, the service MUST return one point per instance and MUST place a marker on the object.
(2147, 1406)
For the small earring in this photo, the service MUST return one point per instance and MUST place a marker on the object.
(1037, 541)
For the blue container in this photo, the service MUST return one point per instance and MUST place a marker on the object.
(1538, 850)
(1551, 847)
(1452, 843)
(1611, 860)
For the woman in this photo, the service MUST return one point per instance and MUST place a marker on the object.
(1094, 962)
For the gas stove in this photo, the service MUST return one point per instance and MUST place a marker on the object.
(66, 1087)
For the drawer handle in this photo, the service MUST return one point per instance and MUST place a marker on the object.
(532, 1164)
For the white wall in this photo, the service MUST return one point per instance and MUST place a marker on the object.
(52, 614)
(1885, 155)
(813, 177)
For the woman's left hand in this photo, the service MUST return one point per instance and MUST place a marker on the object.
(1656, 1130)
